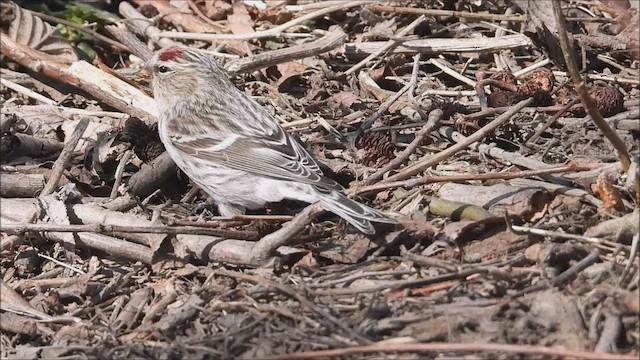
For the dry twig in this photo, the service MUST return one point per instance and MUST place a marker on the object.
(532, 350)
(64, 157)
(447, 13)
(275, 31)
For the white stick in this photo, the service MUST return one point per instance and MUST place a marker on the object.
(27, 92)
(453, 73)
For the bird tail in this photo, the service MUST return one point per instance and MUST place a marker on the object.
(356, 214)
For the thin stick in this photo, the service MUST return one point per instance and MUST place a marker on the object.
(12, 241)
(259, 61)
(26, 91)
(316, 5)
(550, 122)
(64, 265)
(216, 220)
(447, 13)
(278, 30)
(472, 348)
(266, 246)
(477, 136)
(523, 230)
(532, 67)
(119, 172)
(388, 46)
(410, 183)
(452, 73)
(413, 83)
(453, 93)
(109, 229)
(614, 79)
(65, 156)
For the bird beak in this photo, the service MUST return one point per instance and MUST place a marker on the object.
(142, 75)
(145, 71)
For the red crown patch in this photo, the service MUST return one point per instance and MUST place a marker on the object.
(170, 54)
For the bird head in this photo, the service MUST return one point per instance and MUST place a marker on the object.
(180, 72)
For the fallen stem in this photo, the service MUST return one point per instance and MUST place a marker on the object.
(410, 183)
(451, 347)
(266, 247)
(581, 88)
(108, 229)
(269, 58)
(448, 13)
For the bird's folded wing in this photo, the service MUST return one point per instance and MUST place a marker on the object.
(283, 161)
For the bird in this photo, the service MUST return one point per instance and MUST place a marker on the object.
(232, 148)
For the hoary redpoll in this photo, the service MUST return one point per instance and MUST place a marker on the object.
(232, 148)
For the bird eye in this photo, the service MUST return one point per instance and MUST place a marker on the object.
(163, 69)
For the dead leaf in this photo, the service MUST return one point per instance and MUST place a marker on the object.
(217, 10)
(358, 245)
(308, 261)
(28, 29)
(384, 29)
(608, 193)
(368, 84)
(287, 71)
(416, 222)
(239, 22)
(342, 100)
(274, 15)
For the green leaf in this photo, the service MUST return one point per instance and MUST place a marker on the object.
(86, 50)
(274, 45)
(88, 13)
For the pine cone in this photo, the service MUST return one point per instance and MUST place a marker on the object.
(539, 85)
(540, 79)
(148, 10)
(504, 77)
(499, 97)
(449, 108)
(378, 148)
(144, 139)
(133, 129)
(149, 151)
(610, 101)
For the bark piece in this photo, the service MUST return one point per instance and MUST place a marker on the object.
(21, 185)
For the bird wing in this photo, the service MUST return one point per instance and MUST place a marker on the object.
(282, 158)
